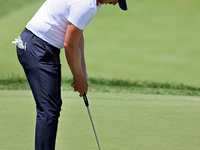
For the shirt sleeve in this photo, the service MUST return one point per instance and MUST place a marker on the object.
(80, 14)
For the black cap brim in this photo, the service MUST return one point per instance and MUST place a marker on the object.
(122, 4)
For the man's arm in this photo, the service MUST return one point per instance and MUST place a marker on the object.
(74, 51)
(81, 46)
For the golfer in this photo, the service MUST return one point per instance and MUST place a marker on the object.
(57, 24)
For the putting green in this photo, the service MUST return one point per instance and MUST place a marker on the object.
(123, 121)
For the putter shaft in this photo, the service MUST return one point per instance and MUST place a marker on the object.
(93, 127)
(87, 105)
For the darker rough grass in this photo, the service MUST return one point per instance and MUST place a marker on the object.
(13, 82)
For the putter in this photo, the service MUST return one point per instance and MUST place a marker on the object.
(87, 105)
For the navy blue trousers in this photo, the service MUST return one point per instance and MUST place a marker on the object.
(41, 64)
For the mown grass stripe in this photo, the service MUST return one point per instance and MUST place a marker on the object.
(13, 82)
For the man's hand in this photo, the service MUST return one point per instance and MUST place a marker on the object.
(80, 85)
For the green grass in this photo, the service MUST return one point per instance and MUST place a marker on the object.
(154, 41)
(122, 120)
(12, 5)
(153, 48)
(13, 82)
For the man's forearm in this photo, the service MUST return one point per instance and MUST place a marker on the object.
(74, 51)
(73, 56)
(83, 65)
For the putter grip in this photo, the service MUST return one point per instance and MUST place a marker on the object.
(85, 100)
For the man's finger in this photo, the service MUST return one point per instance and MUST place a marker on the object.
(72, 85)
(81, 94)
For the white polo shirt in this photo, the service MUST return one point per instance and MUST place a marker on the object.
(51, 20)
